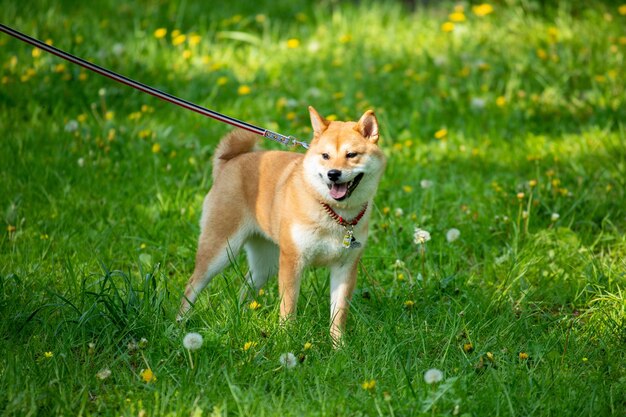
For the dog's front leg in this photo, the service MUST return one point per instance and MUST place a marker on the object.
(342, 282)
(289, 272)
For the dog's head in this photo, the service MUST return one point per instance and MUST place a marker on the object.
(344, 163)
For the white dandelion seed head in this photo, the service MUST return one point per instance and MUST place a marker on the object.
(398, 212)
(192, 341)
(477, 103)
(288, 360)
(425, 184)
(432, 376)
(71, 126)
(555, 216)
(420, 236)
(118, 49)
(104, 373)
(453, 234)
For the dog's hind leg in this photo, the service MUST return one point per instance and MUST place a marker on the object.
(263, 263)
(221, 238)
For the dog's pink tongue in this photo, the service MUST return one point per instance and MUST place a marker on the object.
(338, 190)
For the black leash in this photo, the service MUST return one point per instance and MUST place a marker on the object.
(285, 140)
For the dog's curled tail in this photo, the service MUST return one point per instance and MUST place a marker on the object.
(235, 143)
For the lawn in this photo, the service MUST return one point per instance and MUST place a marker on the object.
(504, 121)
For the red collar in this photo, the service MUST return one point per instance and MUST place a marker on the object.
(333, 215)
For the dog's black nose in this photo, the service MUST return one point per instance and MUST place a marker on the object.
(334, 174)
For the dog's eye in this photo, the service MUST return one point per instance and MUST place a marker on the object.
(351, 155)
(325, 156)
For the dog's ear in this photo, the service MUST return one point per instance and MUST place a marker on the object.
(368, 126)
(318, 122)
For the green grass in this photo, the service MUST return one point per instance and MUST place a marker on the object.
(101, 188)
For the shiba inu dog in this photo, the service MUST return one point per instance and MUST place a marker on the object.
(289, 211)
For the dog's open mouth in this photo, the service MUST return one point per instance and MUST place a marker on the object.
(342, 191)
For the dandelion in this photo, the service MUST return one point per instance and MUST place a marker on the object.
(409, 304)
(222, 81)
(425, 184)
(433, 376)
(447, 27)
(249, 345)
(192, 341)
(160, 33)
(346, 38)
(288, 360)
(468, 347)
(523, 356)
(520, 196)
(369, 385)
(541, 54)
(482, 9)
(532, 183)
(118, 49)
(103, 373)
(307, 346)
(555, 217)
(420, 236)
(156, 148)
(254, 305)
(80, 162)
(147, 375)
(293, 43)
(622, 9)
(194, 39)
(457, 17)
(71, 126)
(398, 212)
(500, 101)
(452, 235)
(243, 90)
(48, 355)
(179, 39)
(441, 133)
(477, 103)
(407, 188)
(36, 53)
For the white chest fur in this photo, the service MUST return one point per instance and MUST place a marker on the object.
(324, 246)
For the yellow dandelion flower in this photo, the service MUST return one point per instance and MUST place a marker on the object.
(175, 33)
(523, 356)
(147, 375)
(156, 148)
(386, 210)
(48, 355)
(261, 292)
(346, 38)
(542, 54)
(249, 345)
(293, 43)
(243, 90)
(36, 53)
(291, 115)
(83, 76)
(400, 277)
(79, 39)
(146, 109)
(186, 54)
(553, 34)
(622, 9)
(331, 117)
(468, 347)
(532, 183)
(441, 133)
(307, 346)
(133, 116)
(457, 17)
(82, 118)
(447, 27)
(482, 9)
(49, 42)
(500, 101)
(254, 305)
(407, 188)
(409, 303)
(194, 39)
(622, 40)
(260, 18)
(160, 33)
(520, 195)
(369, 385)
(59, 68)
(109, 115)
(145, 133)
(179, 39)
(600, 79)
(459, 8)
(111, 135)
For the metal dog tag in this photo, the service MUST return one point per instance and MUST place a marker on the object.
(349, 241)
